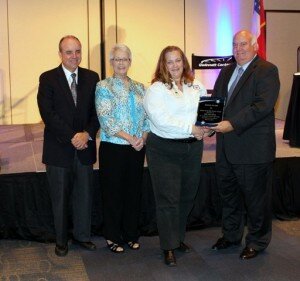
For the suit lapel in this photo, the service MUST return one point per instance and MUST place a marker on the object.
(65, 85)
(227, 77)
(80, 86)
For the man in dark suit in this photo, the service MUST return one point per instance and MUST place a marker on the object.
(67, 107)
(246, 146)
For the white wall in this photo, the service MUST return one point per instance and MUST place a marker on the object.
(283, 21)
(5, 108)
(146, 29)
(282, 4)
(30, 31)
(205, 34)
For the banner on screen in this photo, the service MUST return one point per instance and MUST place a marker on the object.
(211, 62)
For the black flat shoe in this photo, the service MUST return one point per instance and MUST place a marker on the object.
(184, 248)
(61, 251)
(86, 245)
(170, 259)
(248, 253)
(223, 243)
(114, 247)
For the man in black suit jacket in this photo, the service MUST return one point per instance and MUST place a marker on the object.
(69, 150)
(246, 147)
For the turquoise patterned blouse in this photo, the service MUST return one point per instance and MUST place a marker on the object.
(120, 109)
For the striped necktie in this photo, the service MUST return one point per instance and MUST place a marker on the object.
(74, 88)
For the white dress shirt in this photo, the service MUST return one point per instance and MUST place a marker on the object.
(172, 113)
(68, 74)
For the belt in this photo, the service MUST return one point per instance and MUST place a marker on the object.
(187, 140)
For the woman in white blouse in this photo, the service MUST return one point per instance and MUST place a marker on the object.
(174, 146)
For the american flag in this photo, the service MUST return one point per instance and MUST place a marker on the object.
(259, 26)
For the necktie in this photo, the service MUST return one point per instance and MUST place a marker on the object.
(74, 88)
(236, 80)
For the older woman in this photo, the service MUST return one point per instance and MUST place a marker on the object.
(174, 146)
(119, 106)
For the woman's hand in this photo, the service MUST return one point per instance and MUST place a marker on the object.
(134, 141)
(137, 143)
(198, 132)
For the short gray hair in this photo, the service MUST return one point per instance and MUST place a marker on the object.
(253, 38)
(121, 47)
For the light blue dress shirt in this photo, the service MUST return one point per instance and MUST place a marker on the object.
(235, 72)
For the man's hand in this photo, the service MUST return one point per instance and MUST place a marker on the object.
(223, 127)
(80, 140)
(208, 132)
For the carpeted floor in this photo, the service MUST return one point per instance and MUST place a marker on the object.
(291, 228)
(32, 261)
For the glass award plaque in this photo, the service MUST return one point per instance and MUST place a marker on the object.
(210, 111)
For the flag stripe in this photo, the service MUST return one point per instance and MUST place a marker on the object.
(259, 26)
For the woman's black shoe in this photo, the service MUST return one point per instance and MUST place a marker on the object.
(170, 259)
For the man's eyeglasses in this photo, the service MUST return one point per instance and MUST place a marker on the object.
(118, 60)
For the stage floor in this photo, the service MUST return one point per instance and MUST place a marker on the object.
(21, 148)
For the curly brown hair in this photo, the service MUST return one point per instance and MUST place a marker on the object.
(162, 74)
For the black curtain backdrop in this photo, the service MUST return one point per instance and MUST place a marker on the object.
(25, 207)
(291, 130)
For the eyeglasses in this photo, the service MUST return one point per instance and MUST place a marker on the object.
(118, 60)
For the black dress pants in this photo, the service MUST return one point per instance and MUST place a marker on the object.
(175, 173)
(72, 185)
(121, 171)
(246, 190)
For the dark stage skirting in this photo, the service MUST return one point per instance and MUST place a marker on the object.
(292, 123)
(25, 206)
